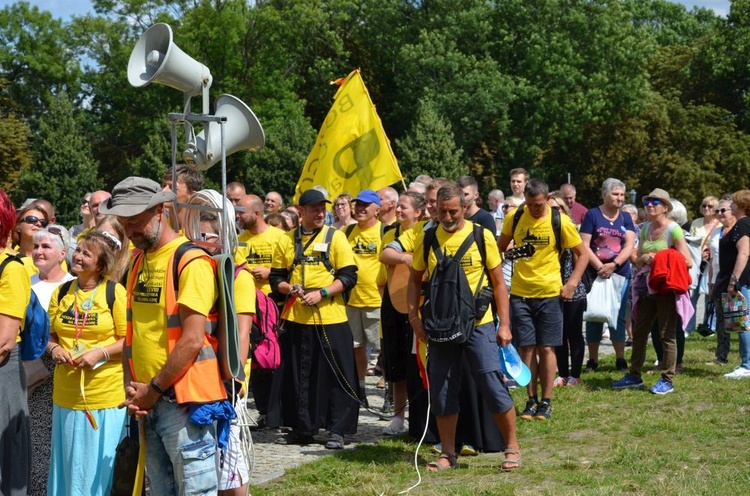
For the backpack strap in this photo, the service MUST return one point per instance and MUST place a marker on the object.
(111, 286)
(327, 238)
(8, 260)
(516, 219)
(65, 289)
(430, 237)
(349, 229)
(556, 226)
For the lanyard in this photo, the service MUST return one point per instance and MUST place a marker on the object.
(86, 305)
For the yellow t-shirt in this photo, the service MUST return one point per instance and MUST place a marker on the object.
(104, 385)
(256, 250)
(15, 291)
(197, 290)
(539, 276)
(366, 248)
(28, 265)
(244, 293)
(408, 238)
(313, 274)
(388, 237)
(471, 262)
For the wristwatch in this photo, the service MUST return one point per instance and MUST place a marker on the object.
(617, 266)
(157, 388)
(324, 293)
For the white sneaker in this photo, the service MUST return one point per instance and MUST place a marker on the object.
(738, 373)
(396, 427)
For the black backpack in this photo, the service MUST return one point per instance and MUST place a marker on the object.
(450, 306)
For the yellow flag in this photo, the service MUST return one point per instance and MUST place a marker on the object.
(351, 152)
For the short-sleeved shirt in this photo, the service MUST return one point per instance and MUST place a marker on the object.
(313, 274)
(15, 291)
(197, 290)
(728, 256)
(407, 239)
(484, 219)
(366, 249)
(103, 386)
(244, 292)
(608, 237)
(471, 262)
(256, 250)
(539, 276)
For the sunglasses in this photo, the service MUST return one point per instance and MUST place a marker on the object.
(706, 205)
(33, 219)
(722, 210)
(57, 232)
(208, 236)
(651, 201)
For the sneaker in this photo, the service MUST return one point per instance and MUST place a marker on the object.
(591, 365)
(628, 381)
(468, 450)
(560, 381)
(543, 411)
(335, 442)
(738, 373)
(621, 365)
(437, 448)
(530, 410)
(574, 381)
(663, 386)
(628, 343)
(396, 427)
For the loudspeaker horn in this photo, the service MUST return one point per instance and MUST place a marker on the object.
(156, 59)
(242, 131)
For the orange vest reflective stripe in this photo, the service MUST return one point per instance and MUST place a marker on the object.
(201, 383)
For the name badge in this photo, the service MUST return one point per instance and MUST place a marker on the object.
(78, 350)
(320, 247)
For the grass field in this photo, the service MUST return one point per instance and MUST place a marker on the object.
(599, 442)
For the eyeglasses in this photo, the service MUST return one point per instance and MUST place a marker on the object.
(33, 219)
(706, 205)
(651, 201)
(84, 201)
(208, 236)
(340, 205)
(722, 210)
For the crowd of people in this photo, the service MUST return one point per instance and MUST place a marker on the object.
(131, 293)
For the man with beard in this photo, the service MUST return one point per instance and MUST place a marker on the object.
(256, 246)
(169, 359)
(316, 384)
(446, 358)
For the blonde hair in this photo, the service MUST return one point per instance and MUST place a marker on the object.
(107, 258)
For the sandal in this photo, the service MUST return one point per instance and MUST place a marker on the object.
(436, 466)
(511, 464)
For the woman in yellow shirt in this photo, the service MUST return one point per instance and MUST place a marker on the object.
(87, 335)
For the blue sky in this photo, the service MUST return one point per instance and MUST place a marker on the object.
(66, 8)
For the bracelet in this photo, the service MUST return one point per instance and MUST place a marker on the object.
(105, 353)
(53, 349)
(324, 293)
(157, 388)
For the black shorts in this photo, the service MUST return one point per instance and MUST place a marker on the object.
(397, 342)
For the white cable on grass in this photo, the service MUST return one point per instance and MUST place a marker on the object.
(421, 440)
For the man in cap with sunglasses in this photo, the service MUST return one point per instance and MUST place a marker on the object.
(169, 357)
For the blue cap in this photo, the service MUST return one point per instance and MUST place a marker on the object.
(368, 196)
(513, 366)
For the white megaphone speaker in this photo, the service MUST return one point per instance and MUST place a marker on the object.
(156, 59)
(242, 131)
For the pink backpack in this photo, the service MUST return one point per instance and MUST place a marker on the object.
(264, 334)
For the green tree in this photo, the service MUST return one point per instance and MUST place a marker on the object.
(429, 147)
(63, 168)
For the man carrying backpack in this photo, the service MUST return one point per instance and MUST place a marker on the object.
(169, 361)
(316, 384)
(536, 289)
(457, 322)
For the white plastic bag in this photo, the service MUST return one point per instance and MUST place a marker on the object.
(603, 302)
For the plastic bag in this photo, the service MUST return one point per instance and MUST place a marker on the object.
(735, 312)
(603, 302)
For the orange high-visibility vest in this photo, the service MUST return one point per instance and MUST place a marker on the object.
(201, 383)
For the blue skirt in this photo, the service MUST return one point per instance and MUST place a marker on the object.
(83, 460)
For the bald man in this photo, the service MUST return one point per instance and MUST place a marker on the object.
(97, 197)
(273, 202)
(388, 199)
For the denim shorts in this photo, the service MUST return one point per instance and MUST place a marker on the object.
(444, 371)
(536, 321)
(180, 456)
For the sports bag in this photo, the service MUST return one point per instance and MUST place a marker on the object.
(449, 312)
(264, 335)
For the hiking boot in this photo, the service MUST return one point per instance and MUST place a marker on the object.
(663, 386)
(335, 442)
(543, 411)
(628, 381)
(621, 365)
(591, 365)
(530, 410)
